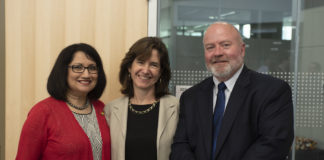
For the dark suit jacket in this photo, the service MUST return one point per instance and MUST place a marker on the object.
(257, 123)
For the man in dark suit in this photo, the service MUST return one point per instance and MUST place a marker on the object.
(257, 120)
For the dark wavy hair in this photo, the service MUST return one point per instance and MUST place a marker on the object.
(143, 49)
(57, 84)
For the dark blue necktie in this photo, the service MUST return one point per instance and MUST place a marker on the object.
(218, 114)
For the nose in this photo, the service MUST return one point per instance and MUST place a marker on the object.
(86, 72)
(217, 51)
(146, 68)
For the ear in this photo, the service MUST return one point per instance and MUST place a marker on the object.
(129, 69)
(243, 49)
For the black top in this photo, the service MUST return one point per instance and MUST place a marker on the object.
(141, 133)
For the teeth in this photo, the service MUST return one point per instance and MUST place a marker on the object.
(84, 82)
(144, 77)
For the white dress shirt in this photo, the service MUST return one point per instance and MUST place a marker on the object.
(229, 87)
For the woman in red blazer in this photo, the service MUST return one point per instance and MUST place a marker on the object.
(70, 124)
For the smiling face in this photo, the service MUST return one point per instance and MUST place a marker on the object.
(224, 50)
(145, 73)
(80, 84)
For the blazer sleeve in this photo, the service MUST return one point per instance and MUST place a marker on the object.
(34, 134)
(180, 149)
(107, 111)
(276, 130)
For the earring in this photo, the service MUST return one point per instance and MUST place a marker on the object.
(160, 80)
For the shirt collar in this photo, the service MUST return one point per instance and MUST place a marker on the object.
(231, 82)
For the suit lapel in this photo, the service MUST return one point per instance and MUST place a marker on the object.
(166, 110)
(205, 101)
(120, 111)
(236, 100)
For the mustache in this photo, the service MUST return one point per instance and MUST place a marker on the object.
(218, 60)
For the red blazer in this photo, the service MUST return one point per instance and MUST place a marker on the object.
(52, 133)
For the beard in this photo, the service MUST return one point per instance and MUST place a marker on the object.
(224, 72)
(218, 72)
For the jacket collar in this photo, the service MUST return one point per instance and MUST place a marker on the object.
(205, 101)
(120, 111)
(166, 110)
(240, 91)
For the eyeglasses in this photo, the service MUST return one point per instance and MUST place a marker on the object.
(80, 69)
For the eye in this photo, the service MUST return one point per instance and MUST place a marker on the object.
(155, 65)
(93, 68)
(226, 45)
(139, 61)
(77, 67)
(209, 47)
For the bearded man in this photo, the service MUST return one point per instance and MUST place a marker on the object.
(236, 114)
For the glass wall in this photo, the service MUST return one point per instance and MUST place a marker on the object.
(2, 79)
(284, 38)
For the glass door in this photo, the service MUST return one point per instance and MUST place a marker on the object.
(284, 38)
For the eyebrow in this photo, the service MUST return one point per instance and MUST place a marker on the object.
(209, 44)
(155, 62)
(93, 64)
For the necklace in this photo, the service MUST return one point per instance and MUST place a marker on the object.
(77, 107)
(142, 112)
